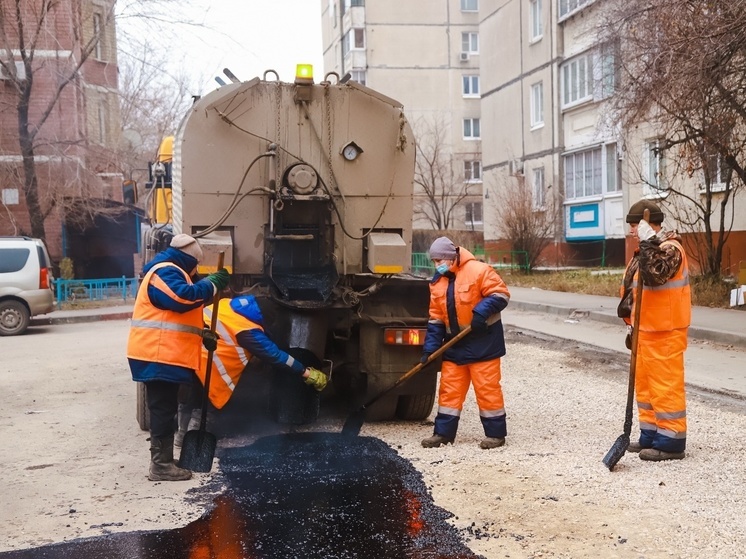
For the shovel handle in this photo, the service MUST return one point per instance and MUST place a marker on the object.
(417, 368)
(213, 327)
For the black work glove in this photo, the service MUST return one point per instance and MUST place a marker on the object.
(209, 339)
(424, 358)
(220, 279)
(478, 323)
(628, 338)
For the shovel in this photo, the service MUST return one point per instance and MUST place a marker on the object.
(620, 446)
(356, 419)
(198, 447)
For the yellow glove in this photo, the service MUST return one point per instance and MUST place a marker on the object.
(315, 378)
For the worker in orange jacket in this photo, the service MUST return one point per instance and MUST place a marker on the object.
(465, 292)
(166, 334)
(665, 315)
(240, 335)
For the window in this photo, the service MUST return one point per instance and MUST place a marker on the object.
(718, 171)
(470, 86)
(347, 4)
(102, 123)
(539, 196)
(10, 196)
(537, 105)
(471, 129)
(469, 5)
(655, 169)
(473, 213)
(333, 12)
(583, 174)
(473, 171)
(567, 7)
(354, 39)
(359, 76)
(535, 31)
(593, 75)
(613, 184)
(470, 43)
(99, 36)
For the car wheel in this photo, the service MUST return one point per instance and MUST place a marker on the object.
(14, 318)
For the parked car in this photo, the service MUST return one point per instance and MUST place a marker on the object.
(25, 283)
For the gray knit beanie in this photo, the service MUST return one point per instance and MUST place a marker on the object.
(187, 245)
(443, 249)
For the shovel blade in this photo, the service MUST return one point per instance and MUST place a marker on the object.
(354, 423)
(197, 451)
(616, 451)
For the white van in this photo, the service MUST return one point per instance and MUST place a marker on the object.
(25, 283)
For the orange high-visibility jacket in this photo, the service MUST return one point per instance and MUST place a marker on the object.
(162, 336)
(668, 306)
(229, 359)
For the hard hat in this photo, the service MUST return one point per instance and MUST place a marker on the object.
(635, 212)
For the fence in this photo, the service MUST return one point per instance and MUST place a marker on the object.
(500, 260)
(75, 291)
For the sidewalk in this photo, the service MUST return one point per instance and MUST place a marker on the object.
(726, 326)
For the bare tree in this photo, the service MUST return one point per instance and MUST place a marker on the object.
(527, 222)
(684, 70)
(442, 189)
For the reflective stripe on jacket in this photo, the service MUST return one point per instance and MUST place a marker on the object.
(229, 359)
(668, 306)
(164, 336)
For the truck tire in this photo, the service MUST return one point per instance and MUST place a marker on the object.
(14, 317)
(415, 407)
(143, 413)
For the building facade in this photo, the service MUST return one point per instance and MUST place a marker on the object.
(72, 113)
(426, 54)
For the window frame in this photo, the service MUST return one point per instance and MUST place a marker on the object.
(654, 165)
(98, 33)
(536, 106)
(594, 181)
(356, 73)
(468, 81)
(535, 23)
(472, 171)
(472, 121)
(470, 42)
(538, 191)
(469, 213)
(567, 8)
(600, 68)
(466, 3)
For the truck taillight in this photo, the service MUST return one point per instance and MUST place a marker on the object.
(43, 278)
(404, 336)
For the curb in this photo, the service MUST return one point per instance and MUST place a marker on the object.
(74, 319)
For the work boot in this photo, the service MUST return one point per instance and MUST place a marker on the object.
(162, 467)
(635, 446)
(655, 455)
(491, 442)
(436, 441)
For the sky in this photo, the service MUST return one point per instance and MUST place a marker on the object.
(249, 37)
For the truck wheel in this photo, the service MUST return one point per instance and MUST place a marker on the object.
(14, 318)
(415, 407)
(143, 413)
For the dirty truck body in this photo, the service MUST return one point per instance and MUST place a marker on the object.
(308, 190)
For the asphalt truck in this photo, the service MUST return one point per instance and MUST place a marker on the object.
(307, 188)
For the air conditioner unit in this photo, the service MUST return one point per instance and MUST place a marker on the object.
(20, 71)
(464, 57)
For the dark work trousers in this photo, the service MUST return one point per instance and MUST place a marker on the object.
(163, 400)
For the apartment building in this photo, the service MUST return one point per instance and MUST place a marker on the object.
(76, 144)
(427, 55)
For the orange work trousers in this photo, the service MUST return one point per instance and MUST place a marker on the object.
(454, 385)
(659, 385)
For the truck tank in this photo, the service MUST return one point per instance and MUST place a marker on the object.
(308, 190)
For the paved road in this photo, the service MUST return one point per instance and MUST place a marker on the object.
(715, 360)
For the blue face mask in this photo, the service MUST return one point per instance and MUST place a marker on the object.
(442, 268)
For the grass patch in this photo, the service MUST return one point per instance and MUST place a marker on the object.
(706, 291)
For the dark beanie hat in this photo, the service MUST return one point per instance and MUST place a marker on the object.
(635, 212)
(443, 249)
